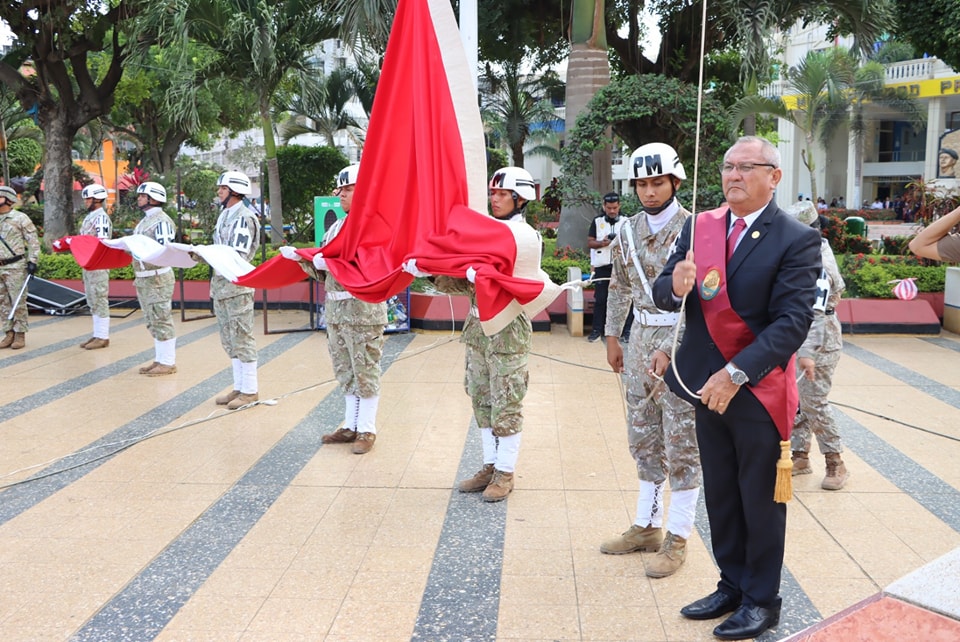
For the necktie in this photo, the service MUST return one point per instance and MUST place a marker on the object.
(738, 227)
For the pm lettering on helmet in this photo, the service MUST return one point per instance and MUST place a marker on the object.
(653, 164)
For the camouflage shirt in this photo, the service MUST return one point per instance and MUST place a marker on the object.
(237, 227)
(157, 225)
(825, 333)
(626, 285)
(19, 238)
(97, 223)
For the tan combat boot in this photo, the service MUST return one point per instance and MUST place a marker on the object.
(7, 339)
(96, 344)
(223, 400)
(242, 400)
(636, 538)
(340, 436)
(84, 344)
(478, 482)
(801, 463)
(18, 341)
(364, 443)
(499, 487)
(837, 474)
(148, 368)
(669, 558)
(160, 370)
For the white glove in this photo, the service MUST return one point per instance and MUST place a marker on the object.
(290, 252)
(410, 267)
(319, 262)
(471, 275)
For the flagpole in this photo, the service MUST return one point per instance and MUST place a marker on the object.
(468, 34)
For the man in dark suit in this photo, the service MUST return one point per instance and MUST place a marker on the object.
(746, 317)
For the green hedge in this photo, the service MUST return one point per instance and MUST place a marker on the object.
(868, 276)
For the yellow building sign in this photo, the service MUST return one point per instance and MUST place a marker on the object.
(949, 86)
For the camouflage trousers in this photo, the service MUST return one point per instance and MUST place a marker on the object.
(154, 294)
(235, 318)
(497, 383)
(661, 431)
(11, 280)
(355, 351)
(96, 285)
(815, 414)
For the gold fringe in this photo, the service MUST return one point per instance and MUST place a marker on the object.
(783, 491)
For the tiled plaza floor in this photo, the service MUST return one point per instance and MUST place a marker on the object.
(134, 508)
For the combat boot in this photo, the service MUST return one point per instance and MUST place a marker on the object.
(635, 538)
(242, 400)
(19, 340)
(84, 344)
(160, 370)
(96, 344)
(478, 482)
(801, 463)
(148, 368)
(499, 487)
(837, 474)
(669, 558)
(363, 443)
(340, 436)
(223, 400)
(7, 339)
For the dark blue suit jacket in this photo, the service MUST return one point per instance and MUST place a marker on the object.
(771, 282)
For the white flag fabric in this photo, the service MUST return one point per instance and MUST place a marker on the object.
(225, 260)
(143, 248)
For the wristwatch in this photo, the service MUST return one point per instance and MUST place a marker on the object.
(737, 376)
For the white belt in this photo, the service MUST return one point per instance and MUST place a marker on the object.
(663, 319)
(146, 273)
(339, 296)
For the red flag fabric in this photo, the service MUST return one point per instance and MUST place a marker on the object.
(422, 184)
(91, 254)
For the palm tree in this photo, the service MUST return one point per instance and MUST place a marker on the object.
(820, 97)
(516, 110)
(320, 107)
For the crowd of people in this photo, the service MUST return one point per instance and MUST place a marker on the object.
(748, 289)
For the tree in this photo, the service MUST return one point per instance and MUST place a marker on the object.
(517, 109)
(320, 107)
(932, 27)
(57, 85)
(818, 88)
(309, 172)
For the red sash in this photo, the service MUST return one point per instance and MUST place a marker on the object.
(778, 390)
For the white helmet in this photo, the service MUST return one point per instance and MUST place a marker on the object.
(515, 179)
(94, 191)
(156, 191)
(655, 159)
(348, 175)
(237, 182)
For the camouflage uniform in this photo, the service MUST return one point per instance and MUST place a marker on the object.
(96, 283)
(824, 345)
(496, 374)
(20, 246)
(238, 228)
(661, 432)
(154, 283)
(354, 332)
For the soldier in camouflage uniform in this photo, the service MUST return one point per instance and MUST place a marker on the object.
(496, 366)
(238, 228)
(19, 253)
(661, 430)
(817, 359)
(354, 337)
(96, 283)
(154, 283)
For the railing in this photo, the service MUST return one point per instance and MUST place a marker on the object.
(896, 73)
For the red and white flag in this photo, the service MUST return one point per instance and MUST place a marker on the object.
(423, 183)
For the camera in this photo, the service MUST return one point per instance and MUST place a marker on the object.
(611, 236)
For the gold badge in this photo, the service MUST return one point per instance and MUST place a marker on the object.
(755, 235)
(711, 284)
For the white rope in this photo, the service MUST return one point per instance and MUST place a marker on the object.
(693, 205)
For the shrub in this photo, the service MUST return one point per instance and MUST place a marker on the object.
(555, 261)
(898, 245)
(869, 275)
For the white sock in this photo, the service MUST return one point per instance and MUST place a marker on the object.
(508, 448)
(650, 504)
(101, 327)
(237, 373)
(683, 510)
(351, 404)
(248, 378)
(166, 351)
(367, 414)
(489, 444)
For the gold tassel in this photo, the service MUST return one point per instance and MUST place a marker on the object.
(783, 491)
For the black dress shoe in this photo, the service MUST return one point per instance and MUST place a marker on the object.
(748, 622)
(714, 605)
